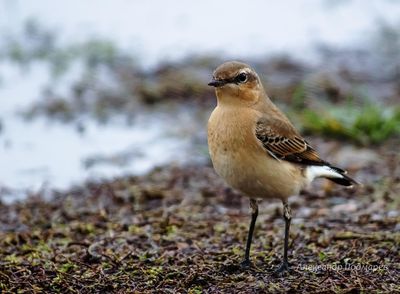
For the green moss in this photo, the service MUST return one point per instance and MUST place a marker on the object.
(322, 255)
(367, 124)
(299, 97)
(153, 272)
(196, 290)
(66, 267)
(13, 258)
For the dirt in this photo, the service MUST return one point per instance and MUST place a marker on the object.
(181, 230)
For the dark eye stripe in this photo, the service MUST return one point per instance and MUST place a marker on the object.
(236, 80)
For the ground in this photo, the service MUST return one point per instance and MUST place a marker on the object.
(180, 229)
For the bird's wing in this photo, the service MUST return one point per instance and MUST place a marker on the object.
(283, 142)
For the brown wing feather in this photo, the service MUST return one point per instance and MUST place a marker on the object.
(281, 139)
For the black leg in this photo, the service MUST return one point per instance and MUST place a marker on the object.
(254, 213)
(287, 216)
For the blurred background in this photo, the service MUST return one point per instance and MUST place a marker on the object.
(99, 89)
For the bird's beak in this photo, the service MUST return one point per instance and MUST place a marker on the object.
(216, 83)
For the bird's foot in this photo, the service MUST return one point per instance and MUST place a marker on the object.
(282, 269)
(245, 264)
(231, 268)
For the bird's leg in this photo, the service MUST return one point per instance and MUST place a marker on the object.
(287, 215)
(254, 213)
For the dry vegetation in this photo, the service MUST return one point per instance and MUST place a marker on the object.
(180, 230)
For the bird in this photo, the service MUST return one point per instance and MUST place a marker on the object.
(256, 149)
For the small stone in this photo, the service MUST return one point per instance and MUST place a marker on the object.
(350, 206)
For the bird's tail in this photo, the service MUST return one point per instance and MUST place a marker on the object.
(329, 172)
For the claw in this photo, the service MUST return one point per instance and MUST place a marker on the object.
(282, 269)
(245, 264)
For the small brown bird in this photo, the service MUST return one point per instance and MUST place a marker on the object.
(256, 149)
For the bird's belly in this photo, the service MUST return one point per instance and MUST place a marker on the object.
(239, 157)
(257, 175)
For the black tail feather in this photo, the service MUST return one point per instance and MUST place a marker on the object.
(342, 181)
(345, 181)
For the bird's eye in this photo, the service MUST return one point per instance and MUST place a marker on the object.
(242, 77)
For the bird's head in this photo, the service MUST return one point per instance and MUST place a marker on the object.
(236, 82)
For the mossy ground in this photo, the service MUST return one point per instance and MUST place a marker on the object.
(180, 230)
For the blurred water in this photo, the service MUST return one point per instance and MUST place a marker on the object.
(157, 30)
(39, 153)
